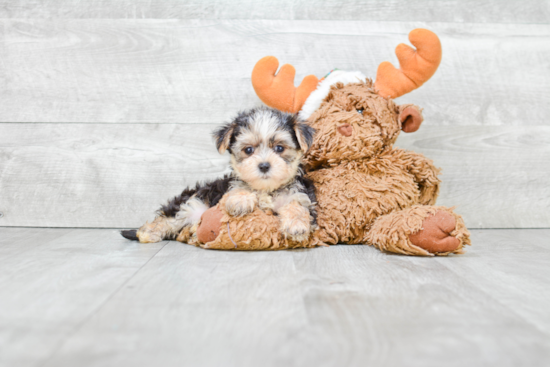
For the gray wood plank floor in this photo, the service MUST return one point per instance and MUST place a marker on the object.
(87, 297)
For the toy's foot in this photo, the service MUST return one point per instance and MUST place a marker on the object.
(209, 227)
(435, 235)
(420, 230)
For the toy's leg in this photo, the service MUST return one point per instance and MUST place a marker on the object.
(420, 230)
(259, 230)
(220, 231)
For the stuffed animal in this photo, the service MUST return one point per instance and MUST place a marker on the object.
(368, 192)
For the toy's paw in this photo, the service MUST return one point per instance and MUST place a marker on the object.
(240, 203)
(435, 235)
(209, 227)
(294, 220)
(149, 233)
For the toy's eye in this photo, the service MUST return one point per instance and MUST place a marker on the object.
(360, 110)
(279, 149)
(249, 150)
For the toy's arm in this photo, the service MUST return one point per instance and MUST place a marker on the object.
(424, 173)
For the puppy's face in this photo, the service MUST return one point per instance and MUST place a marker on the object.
(266, 146)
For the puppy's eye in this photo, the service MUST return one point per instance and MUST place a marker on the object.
(249, 150)
(360, 111)
(279, 149)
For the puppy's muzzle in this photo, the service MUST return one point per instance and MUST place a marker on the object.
(264, 167)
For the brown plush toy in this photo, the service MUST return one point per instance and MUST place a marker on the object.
(368, 192)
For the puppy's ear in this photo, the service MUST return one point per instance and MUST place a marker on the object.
(304, 135)
(223, 136)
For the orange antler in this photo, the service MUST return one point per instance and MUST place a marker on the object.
(416, 66)
(278, 91)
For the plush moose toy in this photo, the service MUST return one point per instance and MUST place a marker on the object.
(368, 192)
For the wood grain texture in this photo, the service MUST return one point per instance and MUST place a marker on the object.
(54, 280)
(343, 305)
(496, 176)
(515, 278)
(198, 71)
(116, 175)
(472, 11)
(99, 175)
(16, 241)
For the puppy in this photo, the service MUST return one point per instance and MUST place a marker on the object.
(266, 148)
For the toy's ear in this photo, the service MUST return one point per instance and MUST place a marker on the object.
(223, 136)
(410, 118)
(304, 135)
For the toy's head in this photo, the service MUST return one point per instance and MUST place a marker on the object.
(266, 146)
(354, 117)
(354, 122)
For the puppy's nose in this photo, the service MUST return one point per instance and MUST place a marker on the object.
(264, 167)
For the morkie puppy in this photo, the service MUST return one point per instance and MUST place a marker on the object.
(266, 147)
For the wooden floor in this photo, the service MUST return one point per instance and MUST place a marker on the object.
(87, 297)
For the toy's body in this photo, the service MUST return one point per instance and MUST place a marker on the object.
(361, 180)
(351, 195)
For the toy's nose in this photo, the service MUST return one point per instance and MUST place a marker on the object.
(345, 129)
(264, 167)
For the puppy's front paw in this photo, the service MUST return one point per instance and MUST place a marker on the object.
(240, 203)
(294, 220)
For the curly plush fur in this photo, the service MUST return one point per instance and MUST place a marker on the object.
(361, 179)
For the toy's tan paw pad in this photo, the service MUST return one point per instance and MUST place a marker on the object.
(240, 203)
(435, 235)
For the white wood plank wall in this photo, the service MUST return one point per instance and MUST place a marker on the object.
(106, 107)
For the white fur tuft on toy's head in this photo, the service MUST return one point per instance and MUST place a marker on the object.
(323, 88)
